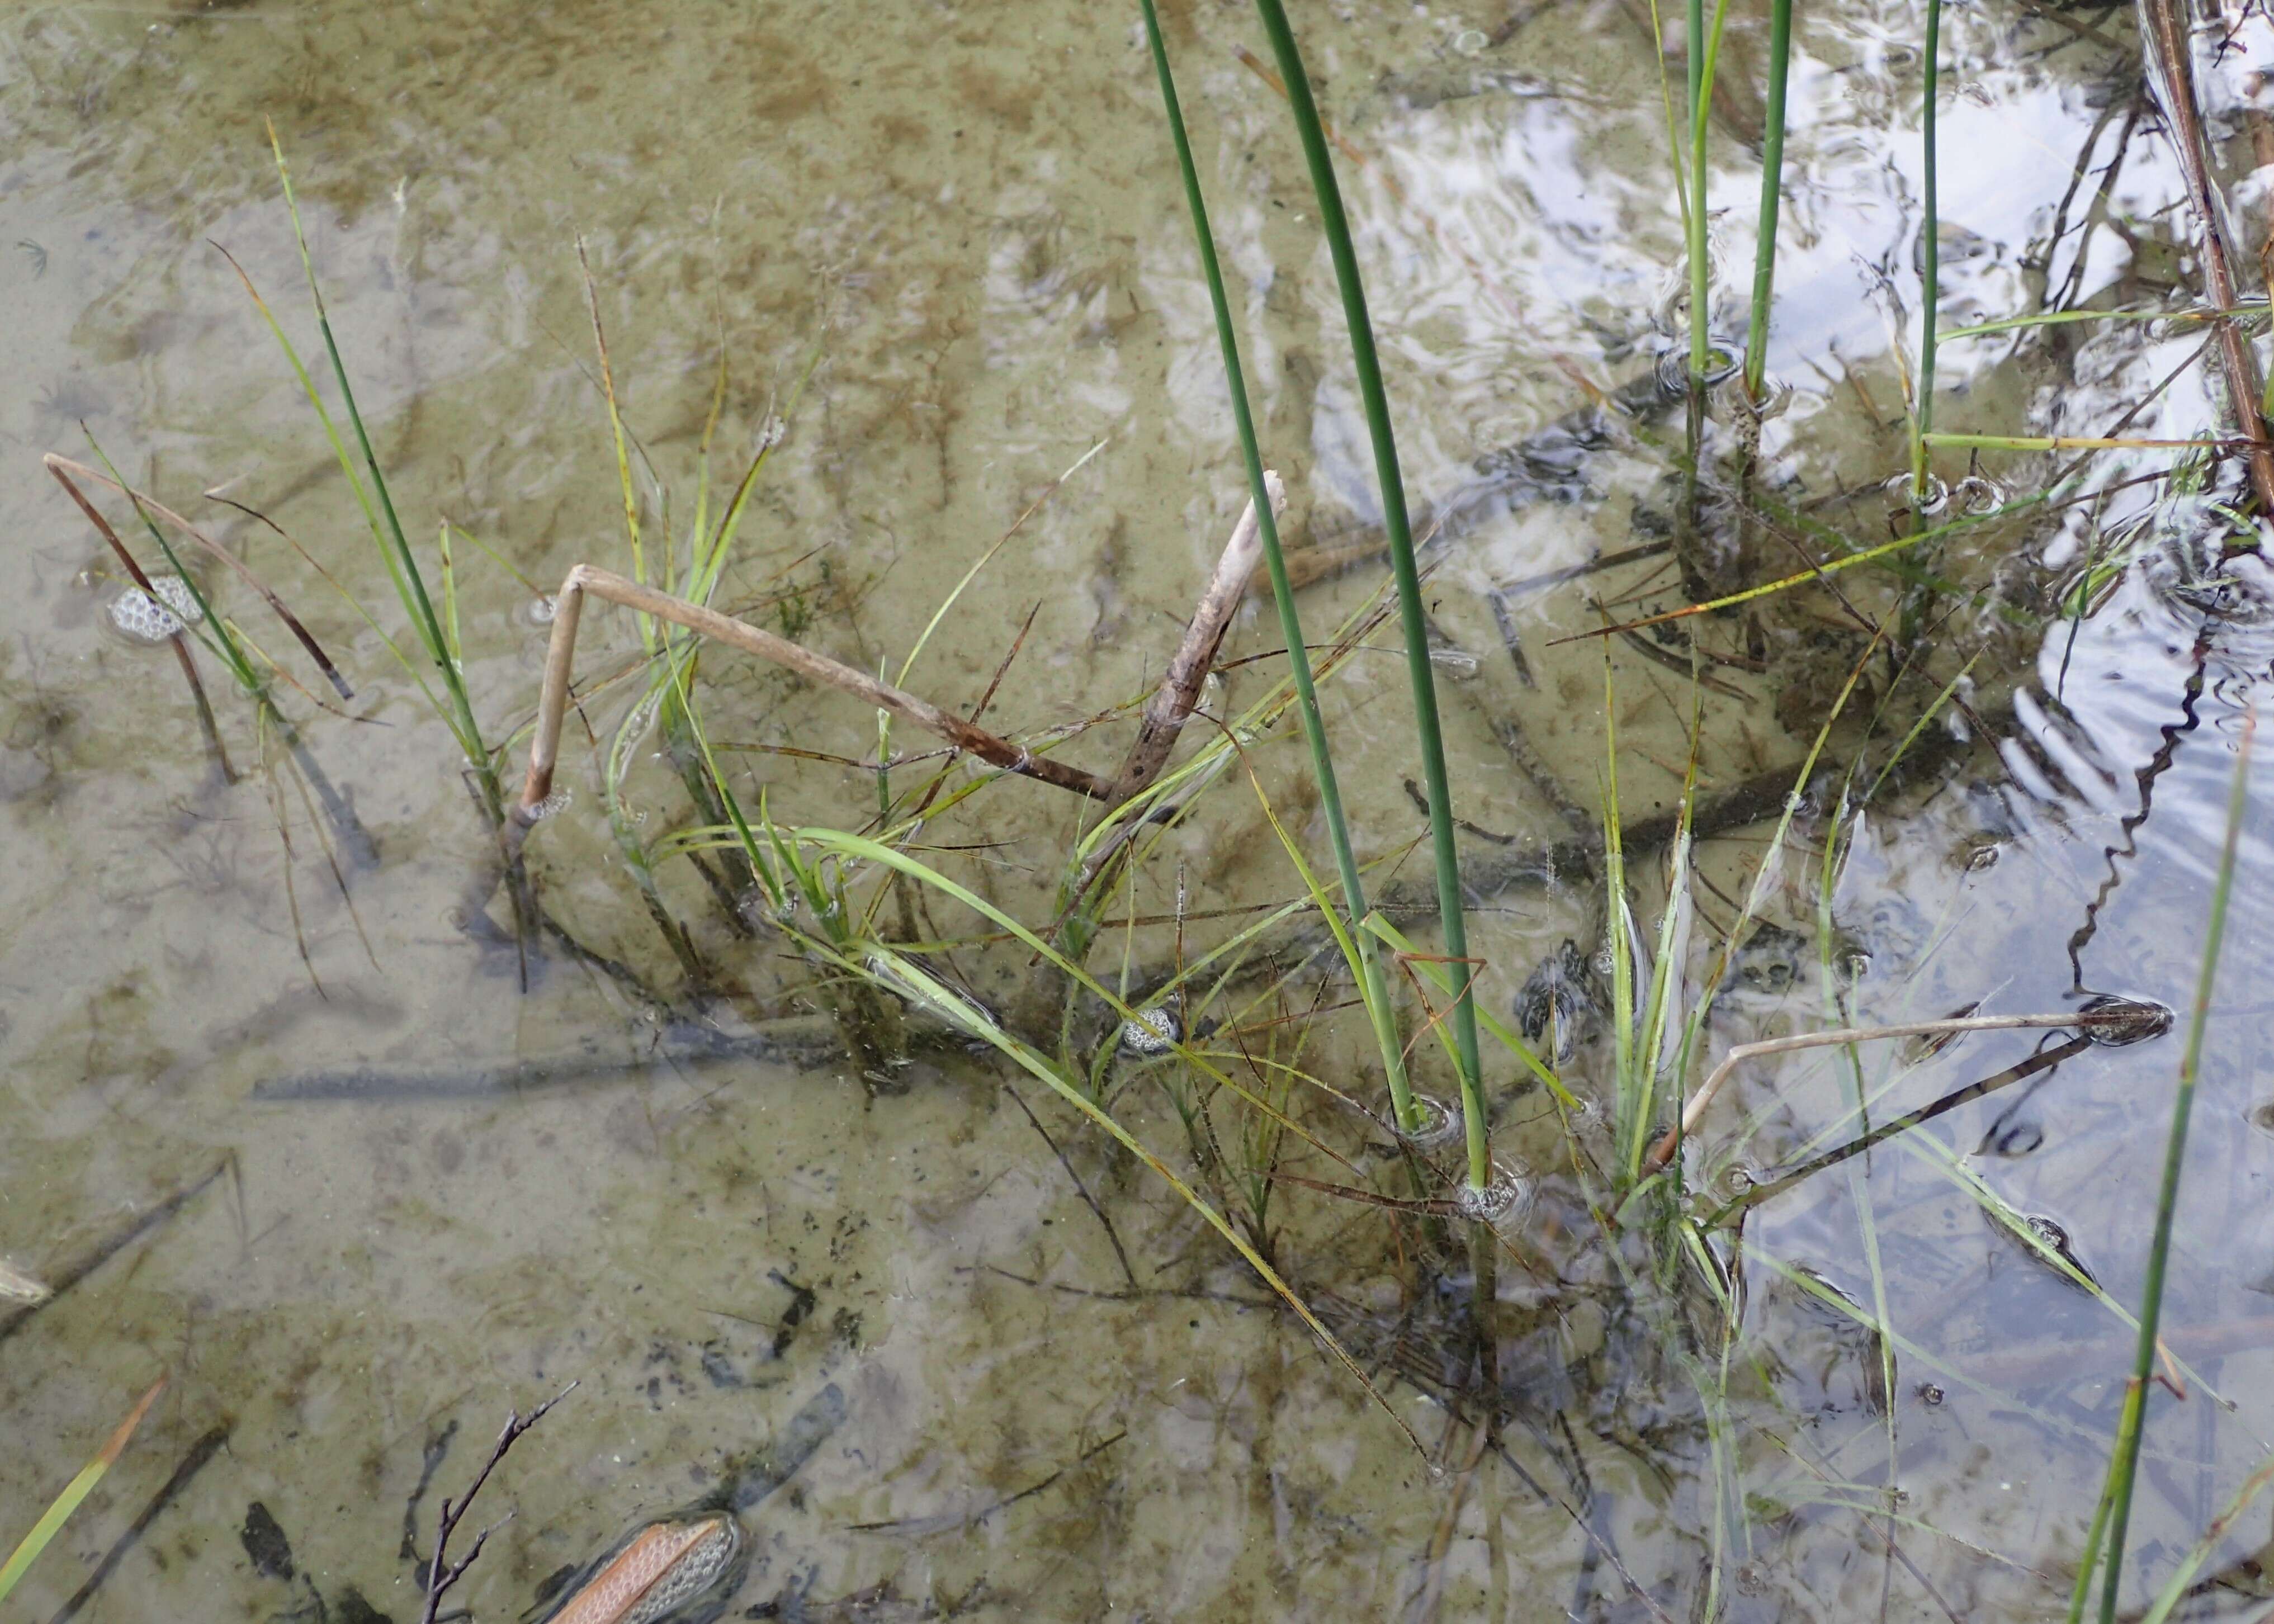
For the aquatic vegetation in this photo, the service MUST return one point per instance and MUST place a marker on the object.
(886, 851)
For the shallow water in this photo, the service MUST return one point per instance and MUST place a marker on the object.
(966, 223)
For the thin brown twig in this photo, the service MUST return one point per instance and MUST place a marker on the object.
(440, 1578)
(178, 639)
(1080, 1188)
(55, 463)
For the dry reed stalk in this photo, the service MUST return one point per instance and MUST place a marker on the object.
(544, 749)
(2168, 47)
(2126, 1021)
(1171, 704)
(59, 466)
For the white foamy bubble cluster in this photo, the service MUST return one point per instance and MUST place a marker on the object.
(1497, 1202)
(1150, 1032)
(149, 619)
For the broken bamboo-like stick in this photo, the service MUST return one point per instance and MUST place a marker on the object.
(559, 658)
(1173, 702)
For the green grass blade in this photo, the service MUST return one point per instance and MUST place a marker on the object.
(2176, 1586)
(394, 544)
(1336, 226)
(1703, 60)
(2125, 1464)
(1757, 333)
(59, 1510)
(616, 429)
(1371, 979)
(1930, 262)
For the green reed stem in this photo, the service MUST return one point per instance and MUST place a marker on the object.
(1705, 50)
(1694, 49)
(1929, 262)
(1757, 333)
(1336, 225)
(1291, 625)
(2127, 1458)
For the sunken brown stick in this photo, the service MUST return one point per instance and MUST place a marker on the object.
(1171, 704)
(560, 656)
(2166, 32)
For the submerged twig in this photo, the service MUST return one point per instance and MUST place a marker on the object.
(440, 1578)
(962, 1520)
(190, 1464)
(1082, 1189)
(141, 1225)
(1778, 1181)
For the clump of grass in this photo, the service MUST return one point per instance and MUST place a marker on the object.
(453, 705)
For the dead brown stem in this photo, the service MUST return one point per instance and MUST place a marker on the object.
(181, 643)
(56, 464)
(544, 750)
(2167, 43)
(2125, 1019)
(1173, 702)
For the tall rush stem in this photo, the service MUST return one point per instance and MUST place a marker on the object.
(1336, 224)
(1756, 329)
(1376, 987)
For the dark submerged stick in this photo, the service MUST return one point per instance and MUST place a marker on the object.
(1089, 1200)
(110, 1246)
(682, 1043)
(1777, 1183)
(190, 1465)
